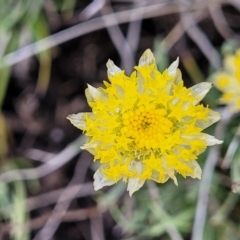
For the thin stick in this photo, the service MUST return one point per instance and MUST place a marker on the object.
(232, 148)
(220, 22)
(171, 229)
(52, 224)
(118, 40)
(36, 223)
(92, 9)
(58, 161)
(204, 188)
(90, 26)
(200, 38)
(45, 199)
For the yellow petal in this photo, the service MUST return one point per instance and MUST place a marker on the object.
(78, 120)
(200, 90)
(100, 180)
(197, 171)
(147, 59)
(112, 68)
(134, 184)
(172, 70)
(208, 139)
(212, 117)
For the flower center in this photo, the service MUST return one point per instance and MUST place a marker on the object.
(147, 127)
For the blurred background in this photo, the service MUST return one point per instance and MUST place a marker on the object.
(49, 51)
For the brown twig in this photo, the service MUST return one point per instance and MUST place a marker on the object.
(37, 223)
(62, 204)
(204, 188)
(171, 229)
(220, 21)
(199, 37)
(55, 163)
(91, 25)
(45, 199)
(118, 39)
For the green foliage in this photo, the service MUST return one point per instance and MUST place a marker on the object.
(229, 47)
(40, 31)
(151, 218)
(160, 54)
(143, 216)
(3, 140)
(235, 167)
(18, 214)
(13, 209)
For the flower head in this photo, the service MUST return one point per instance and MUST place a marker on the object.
(146, 126)
(228, 81)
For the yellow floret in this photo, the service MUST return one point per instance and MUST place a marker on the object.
(228, 81)
(146, 126)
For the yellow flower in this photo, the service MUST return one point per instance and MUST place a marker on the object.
(228, 81)
(146, 126)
